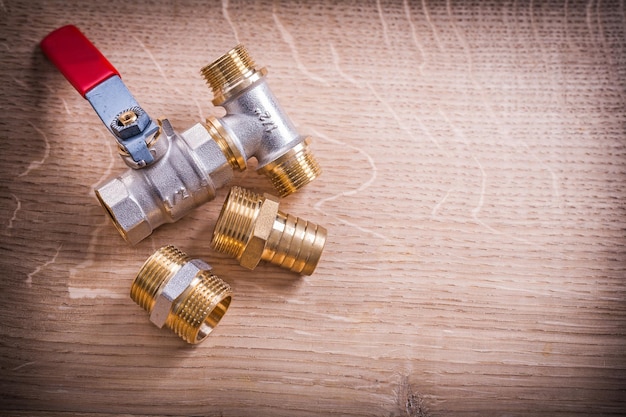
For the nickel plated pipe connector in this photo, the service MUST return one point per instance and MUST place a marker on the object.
(170, 174)
(186, 176)
(181, 294)
(255, 125)
(250, 228)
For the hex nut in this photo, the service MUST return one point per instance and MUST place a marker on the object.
(263, 225)
(208, 154)
(128, 130)
(174, 288)
(126, 214)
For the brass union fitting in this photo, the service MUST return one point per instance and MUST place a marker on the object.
(181, 294)
(250, 228)
(255, 124)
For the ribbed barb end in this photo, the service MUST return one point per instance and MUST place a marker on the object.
(251, 228)
(157, 269)
(204, 305)
(298, 247)
(292, 171)
(236, 222)
(231, 73)
(181, 293)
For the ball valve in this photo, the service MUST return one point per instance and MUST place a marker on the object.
(170, 173)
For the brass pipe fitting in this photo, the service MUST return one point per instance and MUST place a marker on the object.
(181, 294)
(188, 169)
(250, 228)
(255, 124)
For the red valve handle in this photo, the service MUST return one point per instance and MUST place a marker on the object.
(77, 58)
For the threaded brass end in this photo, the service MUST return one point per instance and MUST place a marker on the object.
(201, 309)
(230, 73)
(226, 143)
(293, 170)
(195, 306)
(236, 221)
(228, 69)
(250, 228)
(157, 269)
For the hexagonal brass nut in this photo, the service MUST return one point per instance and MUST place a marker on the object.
(262, 228)
(125, 212)
(174, 288)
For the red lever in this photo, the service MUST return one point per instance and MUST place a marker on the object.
(77, 58)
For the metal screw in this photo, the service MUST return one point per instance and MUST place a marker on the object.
(127, 118)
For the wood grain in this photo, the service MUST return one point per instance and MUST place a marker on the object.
(473, 189)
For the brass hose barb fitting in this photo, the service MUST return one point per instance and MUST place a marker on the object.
(181, 294)
(255, 125)
(250, 228)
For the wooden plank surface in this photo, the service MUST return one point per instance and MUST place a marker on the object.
(473, 190)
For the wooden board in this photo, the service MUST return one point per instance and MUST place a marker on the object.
(474, 159)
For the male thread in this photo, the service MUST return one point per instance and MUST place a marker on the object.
(251, 229)
(229, 73)
(195, 307)
(157, 269)
(227, 144)
(292, 171)
(201, 310)
(235, 224)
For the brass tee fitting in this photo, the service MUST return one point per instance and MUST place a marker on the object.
(250, 228)
(181, 294)
(255, 124)
(188, 169)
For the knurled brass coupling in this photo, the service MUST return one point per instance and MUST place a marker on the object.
(181, 294)
(255, 125)
(251, 228)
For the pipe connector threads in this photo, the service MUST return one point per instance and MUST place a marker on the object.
(227, 143)
(181, 294)
(231, 73)
(292, 171)
(250, 228)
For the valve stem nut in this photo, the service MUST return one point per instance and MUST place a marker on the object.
(181, 294)
(130, 122)
(251, 228)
